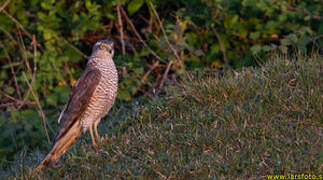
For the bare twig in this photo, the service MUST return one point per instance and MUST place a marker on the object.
(14, 75)
(23, 51)
(152, 67)
(8, 96)
(163, 177)
(60, 38)
(4, 5)
(133, 48)
(314, 39)
(138, 35)
(20, 26)
(305, 11)
(165, 74)
(73, 47)
(164, 32)
(121, 28)
(25, 58)
(265, 40)
(32, 73)
(34, 44)
(41, 113)
(16, 101)
(221, 44)
(17, 23)
(150, 27)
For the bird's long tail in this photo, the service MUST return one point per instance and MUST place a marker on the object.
(62, 145)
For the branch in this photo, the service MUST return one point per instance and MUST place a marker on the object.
(121, 28)
(165, 74)
(139, 37)
(16, 101)
(34, 43)
(73, 47)
(4, 5)
(314, 39)
(32, 73)
(221, 44)
(164, 32)
(17, 23)
(41, 113)
(23, 51)
(152, 67)
(305, 11)
(265, 40)
(13, 73)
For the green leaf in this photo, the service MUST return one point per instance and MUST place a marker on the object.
(215, 48)
(71, 55)
(254, 35)
(134, 6)
(267, 48)
(124, 95)
(47, 35)
(255, 49)
(10, 90)
(52, 100)
(144, 52)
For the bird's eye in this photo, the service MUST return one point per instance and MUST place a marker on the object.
(102, 47)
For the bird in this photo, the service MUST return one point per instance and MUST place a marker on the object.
(91, 98)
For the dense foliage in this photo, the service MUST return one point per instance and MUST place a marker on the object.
(46, 43)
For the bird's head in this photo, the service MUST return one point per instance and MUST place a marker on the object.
(103, 47)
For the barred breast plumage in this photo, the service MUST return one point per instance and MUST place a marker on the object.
(105, 93)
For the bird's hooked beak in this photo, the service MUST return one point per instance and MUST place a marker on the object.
(110, 50)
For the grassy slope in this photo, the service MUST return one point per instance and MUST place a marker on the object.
(251, 123)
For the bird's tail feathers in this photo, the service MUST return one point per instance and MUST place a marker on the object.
(62, 145)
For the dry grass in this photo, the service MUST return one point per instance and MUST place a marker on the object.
(249, 124)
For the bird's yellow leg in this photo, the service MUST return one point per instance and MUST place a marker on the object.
(96, 130)
(92, 137)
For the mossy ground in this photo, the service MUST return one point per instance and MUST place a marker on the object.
(247, 124)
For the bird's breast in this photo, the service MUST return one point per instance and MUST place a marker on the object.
(106, 90)
(103, 96)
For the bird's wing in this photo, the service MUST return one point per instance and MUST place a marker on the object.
(78, 100)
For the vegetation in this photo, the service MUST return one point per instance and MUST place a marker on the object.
(247, 124)
(45, 44)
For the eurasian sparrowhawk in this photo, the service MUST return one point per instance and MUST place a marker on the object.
(91, 98)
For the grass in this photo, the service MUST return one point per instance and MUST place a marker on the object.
(249, 124)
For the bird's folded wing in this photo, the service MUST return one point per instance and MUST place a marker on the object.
(78, 100)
